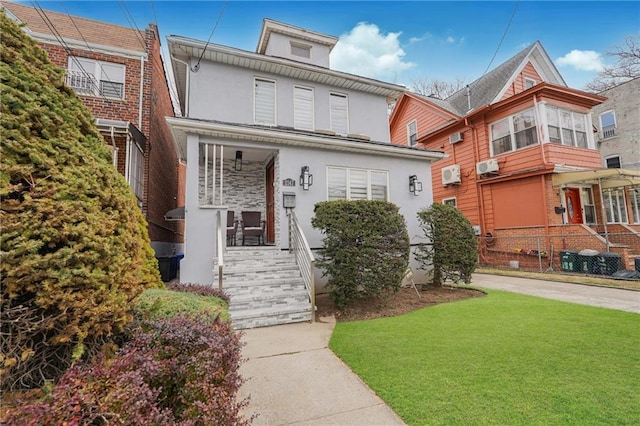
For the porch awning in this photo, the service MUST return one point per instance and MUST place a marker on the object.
(608, 178)
(175, 214)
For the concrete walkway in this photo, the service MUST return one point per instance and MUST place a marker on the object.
(605, 297)
(293, 378)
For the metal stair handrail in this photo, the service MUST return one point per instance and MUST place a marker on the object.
(219, 247)
(304, 258)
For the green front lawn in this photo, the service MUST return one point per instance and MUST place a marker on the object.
(503, 359)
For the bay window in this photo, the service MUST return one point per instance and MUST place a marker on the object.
(567, 127)
(514, 132)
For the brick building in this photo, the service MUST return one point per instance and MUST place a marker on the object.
(118, 73)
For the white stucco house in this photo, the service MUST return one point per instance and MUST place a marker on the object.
(275, 126)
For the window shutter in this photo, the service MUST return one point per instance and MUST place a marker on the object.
(265, 102)
(339, 114)
(303, 108)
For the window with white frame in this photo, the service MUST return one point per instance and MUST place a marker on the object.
(615, 206)
(136, 170)
(357, 184)
(450, 202)
(635, 204)
(607, 124)
(264, 102)
(529, 83)
(412, 133)
(339, 113)
(567, 127)
(96, 78)
(612, 162)
(302, 50)
(514, 132)
(586, 195)
(303, 108)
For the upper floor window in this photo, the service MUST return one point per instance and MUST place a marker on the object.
(303, 108)
(514, 132)
(264, 102)
(529, 83)
(412, 133)
(301, 50)
(339, 113)
(613, 162)
(357, 184)
(96, 78)
(567, 127)
(607, 124)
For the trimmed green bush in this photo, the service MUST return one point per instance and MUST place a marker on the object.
(366, 248)
(451, 252)
(157, 303)
(75, 249)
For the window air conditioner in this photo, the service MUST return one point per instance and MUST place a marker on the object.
(488, 166)
(451, 175)
(455, 138)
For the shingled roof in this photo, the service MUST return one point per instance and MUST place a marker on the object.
(77, 28)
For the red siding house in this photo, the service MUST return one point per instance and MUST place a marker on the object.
(523, 166)
(119, 75)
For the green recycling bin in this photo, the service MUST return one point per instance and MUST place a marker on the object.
(569, 261)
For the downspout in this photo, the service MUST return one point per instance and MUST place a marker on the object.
(127, 165)
(544, 164)
(476, 157)
(141, 93)
(186, 90)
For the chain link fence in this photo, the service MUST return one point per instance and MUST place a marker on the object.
(576, 254)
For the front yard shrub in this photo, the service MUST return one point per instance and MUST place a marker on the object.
(74, 247)
(160, 303)
(366, 248)
(179, 371)
(451, 249)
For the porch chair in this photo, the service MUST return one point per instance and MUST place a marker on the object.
(252, 226)
(232, 228)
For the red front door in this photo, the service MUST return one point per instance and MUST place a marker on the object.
(574, 208)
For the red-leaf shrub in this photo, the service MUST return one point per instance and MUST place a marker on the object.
(200, 289)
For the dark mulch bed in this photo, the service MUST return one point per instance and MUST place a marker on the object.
(406, 300)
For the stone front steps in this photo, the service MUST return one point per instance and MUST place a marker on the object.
(264, 286)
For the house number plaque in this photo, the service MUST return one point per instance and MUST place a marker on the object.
(289, 182)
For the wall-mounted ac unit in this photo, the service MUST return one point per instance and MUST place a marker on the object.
(455, 138)
(488, 166)
(451, 175)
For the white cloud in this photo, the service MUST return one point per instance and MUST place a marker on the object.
(582, 60)
(450, 39)
(366, 51)
(423, 37)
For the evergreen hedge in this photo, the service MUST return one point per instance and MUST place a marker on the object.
(75, 249)
(452, 248)
(366, 248)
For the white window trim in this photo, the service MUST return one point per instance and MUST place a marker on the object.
(454, 199)
(136, 170)
(558, 109)
(531, 81)
(348, 180)
(346, 97)
(512, 132)
(635, 204)
(96, 76)
(622, 206)
(615, 124)
(609, 157)
(306, 47)
(409, 133)
(313, 107)
(275, 101)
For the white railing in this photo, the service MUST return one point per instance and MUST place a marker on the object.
(304, 258)
(81, 82)
(219, 246)
(608, 131)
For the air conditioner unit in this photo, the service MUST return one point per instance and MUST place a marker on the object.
(488, 166)
(451, 175)
(455, 138)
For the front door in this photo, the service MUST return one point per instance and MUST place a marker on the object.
(574, 208)
(271, 217)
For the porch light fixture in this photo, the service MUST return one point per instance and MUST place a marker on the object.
(238, 165)
(306, 179)
(414, 185)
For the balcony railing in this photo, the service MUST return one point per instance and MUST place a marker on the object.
(608, 131)
(82, 83)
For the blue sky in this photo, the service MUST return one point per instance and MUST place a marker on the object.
(399, 41)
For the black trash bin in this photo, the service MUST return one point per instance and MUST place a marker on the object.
(569, 261)
(608, 263)
(164, 265)
(587, 262)
(636, 262)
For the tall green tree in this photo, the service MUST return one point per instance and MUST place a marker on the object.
(75, 250)
(451, 250)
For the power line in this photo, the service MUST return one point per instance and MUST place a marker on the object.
(503, 36)
(197, 65)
